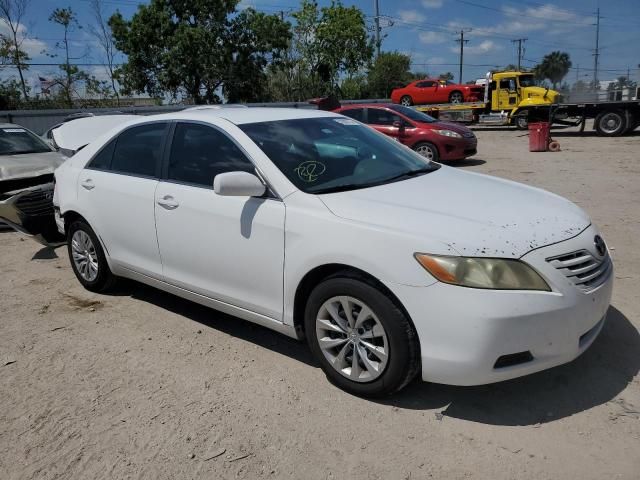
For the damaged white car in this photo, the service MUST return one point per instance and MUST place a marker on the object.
(312, 224)
(26, 183)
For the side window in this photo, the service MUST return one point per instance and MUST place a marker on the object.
(102, 161)
(378, 116)
(508, 84)
(138, 150)
(425, 84)
(355, 113)
(199, 153)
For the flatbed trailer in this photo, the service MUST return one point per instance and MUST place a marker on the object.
(610, 118)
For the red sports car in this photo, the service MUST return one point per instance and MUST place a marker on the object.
(431, 90)
(429, 137)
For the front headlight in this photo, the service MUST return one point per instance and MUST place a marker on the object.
(475, 272)
(448, 133)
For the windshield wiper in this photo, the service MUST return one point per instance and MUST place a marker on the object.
(357, 186)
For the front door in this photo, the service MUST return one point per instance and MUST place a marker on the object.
(230, 249)
(507, 94)
(386, 122)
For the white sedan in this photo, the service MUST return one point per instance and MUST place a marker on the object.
(316, 226)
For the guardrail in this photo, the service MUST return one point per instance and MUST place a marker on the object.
(41, 120)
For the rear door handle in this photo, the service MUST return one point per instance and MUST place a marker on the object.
(88, 184)
(168, 202)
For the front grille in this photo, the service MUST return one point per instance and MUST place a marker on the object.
(583, 269)
(37, 202)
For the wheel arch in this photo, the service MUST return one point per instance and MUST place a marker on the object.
(71, 216)
(322, 272)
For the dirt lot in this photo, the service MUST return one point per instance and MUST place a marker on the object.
(140, 384)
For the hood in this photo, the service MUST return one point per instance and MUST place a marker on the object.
(29, 165)
(540, 92)
(453, 126)
(473, 214)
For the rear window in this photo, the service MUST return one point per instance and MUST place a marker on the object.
(355, 113)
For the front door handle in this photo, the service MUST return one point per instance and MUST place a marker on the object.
(168, 202)
(88, 184)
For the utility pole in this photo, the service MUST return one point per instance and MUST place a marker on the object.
(377, 26)
(462, 42)
(597, 51)
(520, 41)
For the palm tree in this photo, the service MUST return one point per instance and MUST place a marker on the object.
(554, 66)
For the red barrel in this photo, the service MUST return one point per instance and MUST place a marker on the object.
(538, 136)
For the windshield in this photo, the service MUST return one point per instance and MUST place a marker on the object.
(330, 154)
(16, 140)
(412, 114)
(527, 81)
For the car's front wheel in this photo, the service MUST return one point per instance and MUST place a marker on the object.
(87, 258)
(427, 150)
(364, 342)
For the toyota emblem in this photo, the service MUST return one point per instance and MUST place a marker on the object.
(601, 248)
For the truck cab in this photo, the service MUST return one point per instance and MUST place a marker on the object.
(514, 92)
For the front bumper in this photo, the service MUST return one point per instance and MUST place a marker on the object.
(458, 149)
(30, 212)
(466, 334)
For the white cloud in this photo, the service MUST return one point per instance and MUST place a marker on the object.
(431, 37)
(485, 46)
(411, 16)
(431, 3)
(32, 46)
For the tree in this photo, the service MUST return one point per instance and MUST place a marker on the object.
(388, 71)
(198, 48)
(102, 33)
(328, 44)
(554, 66)
(446, 76)
(11, 13)
(71, 74)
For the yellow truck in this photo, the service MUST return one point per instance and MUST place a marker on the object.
(508, 98)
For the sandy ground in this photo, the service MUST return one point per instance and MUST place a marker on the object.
(140, 384)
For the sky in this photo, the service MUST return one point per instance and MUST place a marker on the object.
(424, 29)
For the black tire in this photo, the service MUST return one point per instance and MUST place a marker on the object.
(456, 97)
(406, 100)
(521, 122)
(611, 123)
(403, 362)
(423, 147)
(104, 280)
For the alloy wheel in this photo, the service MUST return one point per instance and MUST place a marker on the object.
(456, 97)
(352, 338)
(85, 257)
(426, 151)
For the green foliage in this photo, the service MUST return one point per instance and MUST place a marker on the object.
(198, 48)
(388, 71)
(554, 67)
(355, 87)
(10, 94)
(328, 43)
(446, 76)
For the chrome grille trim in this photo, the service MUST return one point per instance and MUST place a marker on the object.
(583, 269)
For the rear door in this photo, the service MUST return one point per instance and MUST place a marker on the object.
(116, 190)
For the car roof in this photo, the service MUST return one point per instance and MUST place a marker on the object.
(367, 105)
(241, 116)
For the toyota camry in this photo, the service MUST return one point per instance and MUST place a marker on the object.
(391, 266)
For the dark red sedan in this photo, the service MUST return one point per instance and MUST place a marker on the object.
(432, 90)
(429, 137)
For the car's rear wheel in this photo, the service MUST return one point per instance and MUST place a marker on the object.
(87, 258)
(406, 100)
(427, 150)
(456, 97)
(365, 344)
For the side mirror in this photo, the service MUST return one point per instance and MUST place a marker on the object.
(399, 124)
(238, 184)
